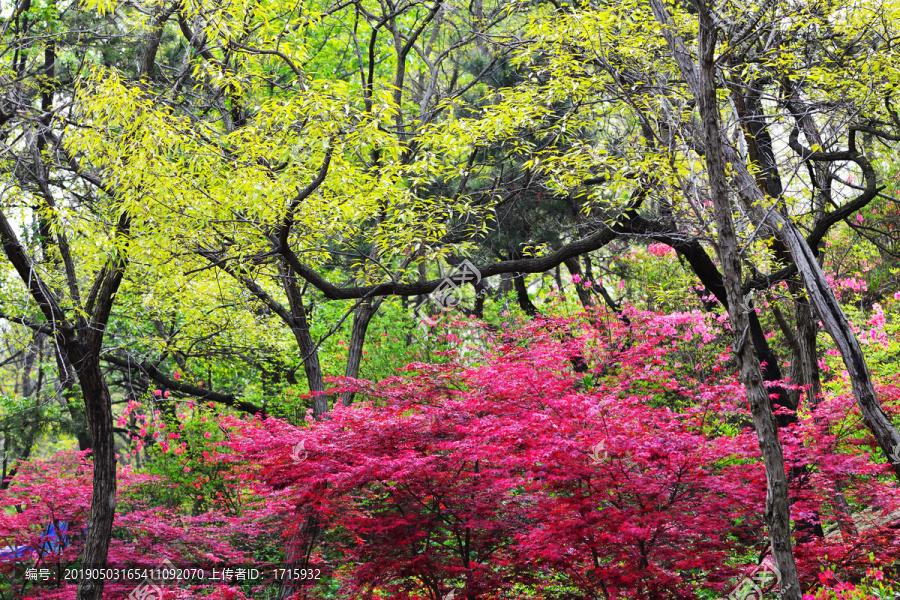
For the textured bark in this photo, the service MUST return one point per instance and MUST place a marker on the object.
(103, 497)
(826, 304)
(838, 327)
(702, 81)
(361, 319)
(807, 366)
(574, 266)
(74, 403)
(308, 348)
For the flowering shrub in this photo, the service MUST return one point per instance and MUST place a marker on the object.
(503, 472)
(660, 249)
(57, 491)
(519, 473)
(873, 587)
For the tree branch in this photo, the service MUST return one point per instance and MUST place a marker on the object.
(181, 387)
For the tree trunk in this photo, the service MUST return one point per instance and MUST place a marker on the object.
(525, 302)
(574, 267)
(311, 365)
(298, 555)
(805, 371)
(103, 499)
(703, 86)
(838, 327)
(65, 389)
(361, 319)
(308, 349)
(808, 375)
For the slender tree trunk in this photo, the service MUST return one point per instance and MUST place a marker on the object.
(361, 319)
(807, 355)
(558, 276)
(574, 267)
(74, 402)
(308, 349)
(842, 513)
(702, 82)
(808, 375)
(525, 302)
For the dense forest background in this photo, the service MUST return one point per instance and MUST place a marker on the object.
(444, 299)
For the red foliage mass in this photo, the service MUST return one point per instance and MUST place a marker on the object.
(512, 476)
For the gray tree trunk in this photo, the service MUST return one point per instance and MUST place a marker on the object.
(361, 319)
(702, 81)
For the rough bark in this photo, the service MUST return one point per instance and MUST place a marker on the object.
(574, 266)
(701, 80)
(361, 319)
(309, 350)
(824, 301)
(103, 496)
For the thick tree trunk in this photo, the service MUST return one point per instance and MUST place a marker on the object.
(103, 499)
(74, 403)
(703, 86)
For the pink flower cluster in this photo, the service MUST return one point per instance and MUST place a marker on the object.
(660, 249)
